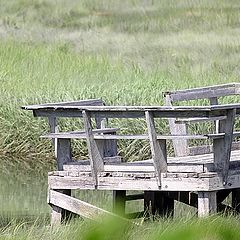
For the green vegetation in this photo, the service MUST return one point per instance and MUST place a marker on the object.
(125, 52)
(214, 228)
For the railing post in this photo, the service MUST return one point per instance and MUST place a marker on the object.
(222, 146)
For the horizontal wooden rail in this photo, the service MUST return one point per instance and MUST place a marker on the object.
(97, 136)
(205, 92)
(193, 120)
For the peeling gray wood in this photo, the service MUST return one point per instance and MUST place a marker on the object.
(207, 203)
(96, 160)
(180, 146)
(205, 92)
(79, 207)
(158, 148)
(64, 153)
(222, 147)
(56, 215)
(53, 129)
(214, 101)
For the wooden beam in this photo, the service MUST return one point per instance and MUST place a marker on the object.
(205, 92)
(64, 153)
(207, 203)
(222, 147)
(52, 121)
(180, 145)
(96, 160)
(77, 206)
(214, 101)
(158, 148)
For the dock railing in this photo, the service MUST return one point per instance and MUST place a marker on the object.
(104, 170)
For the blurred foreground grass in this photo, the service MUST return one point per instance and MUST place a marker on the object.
(214, 228)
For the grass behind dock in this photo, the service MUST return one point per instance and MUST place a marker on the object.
(125, 52)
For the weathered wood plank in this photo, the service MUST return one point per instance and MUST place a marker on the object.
(77, 206)
(78, 134)
(173, 112)
(64, 153)
(158, 148)
(138, 167)
(105, 183)
(222, 147)
(180, 145)
(214, 101)
(205, 92)
(56, 215)
(52, 121)
(207, 203)
(96, 160)
(88, 102)
(132, 137)
(196, 120)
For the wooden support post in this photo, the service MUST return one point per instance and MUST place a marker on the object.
(207, 203)
(64, 155)
(53, 129)
(222, 146)
(56, 215)
(180, 146)
(157, 203)
(95, 155)
(64, 152)
(119, 202)
(158, 147)
(236, 200)
(214, 101)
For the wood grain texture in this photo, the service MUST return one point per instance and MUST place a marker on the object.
(64, 153)
(158, 148)
(207, 203)
(77, 206)
(96, 160)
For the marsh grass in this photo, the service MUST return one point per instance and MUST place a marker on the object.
(125, 52)
(214, 228)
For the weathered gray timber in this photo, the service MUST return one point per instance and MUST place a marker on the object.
(201, 176)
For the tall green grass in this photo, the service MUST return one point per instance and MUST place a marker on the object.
(214, 228)
(125, 52)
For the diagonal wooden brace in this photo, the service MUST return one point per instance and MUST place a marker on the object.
(158, 147)
(222, 147)
(96, 160)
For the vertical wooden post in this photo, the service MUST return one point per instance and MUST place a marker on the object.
(180, 146)
(158, 148)
(214, 101)
(53, 129)
(207, 203)
(64, 152)
(64, 155)
(222, 147)
(157, 203)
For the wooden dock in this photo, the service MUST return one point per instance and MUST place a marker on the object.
(200, 176)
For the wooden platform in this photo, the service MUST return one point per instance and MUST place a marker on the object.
(201, 176)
